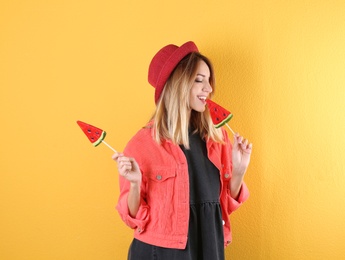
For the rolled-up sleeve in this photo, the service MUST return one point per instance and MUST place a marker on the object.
(142, 216)
(234, 204)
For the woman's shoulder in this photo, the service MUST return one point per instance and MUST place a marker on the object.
(143, 135)
(142, 138)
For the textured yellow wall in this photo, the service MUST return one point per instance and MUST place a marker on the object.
(280, 70)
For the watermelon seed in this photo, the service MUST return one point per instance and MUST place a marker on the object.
(89, 130)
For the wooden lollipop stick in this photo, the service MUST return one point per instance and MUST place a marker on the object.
(230, 129)
(109, 146)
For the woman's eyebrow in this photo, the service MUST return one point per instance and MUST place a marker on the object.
(199, 74)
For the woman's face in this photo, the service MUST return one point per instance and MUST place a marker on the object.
(201, 88)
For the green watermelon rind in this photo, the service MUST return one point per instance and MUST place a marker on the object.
(100, 139)
(227, 119)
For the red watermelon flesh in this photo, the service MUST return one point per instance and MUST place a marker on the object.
(94, 134)
(220, 116)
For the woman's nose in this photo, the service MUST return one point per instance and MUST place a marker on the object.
(207, 88)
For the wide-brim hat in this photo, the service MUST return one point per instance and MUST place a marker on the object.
(164, 62)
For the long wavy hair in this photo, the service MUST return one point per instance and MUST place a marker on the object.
(173, 115)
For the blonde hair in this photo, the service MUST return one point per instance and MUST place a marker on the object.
(173, 115)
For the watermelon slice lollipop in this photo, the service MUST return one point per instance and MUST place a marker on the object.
(220, 116)
(94, 134)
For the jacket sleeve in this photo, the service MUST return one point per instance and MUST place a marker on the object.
(242, 197)
(139, 221)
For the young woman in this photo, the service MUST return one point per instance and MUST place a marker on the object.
(180, 177)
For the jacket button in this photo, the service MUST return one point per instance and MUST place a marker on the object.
(159, 177)
(223, 222)
(227, 175)
(139, 230)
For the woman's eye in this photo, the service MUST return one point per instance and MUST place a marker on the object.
(198, 80)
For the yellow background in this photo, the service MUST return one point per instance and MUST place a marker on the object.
(280, 69)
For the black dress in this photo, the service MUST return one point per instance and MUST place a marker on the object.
(205, 233)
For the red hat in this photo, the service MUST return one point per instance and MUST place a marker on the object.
(164, 62)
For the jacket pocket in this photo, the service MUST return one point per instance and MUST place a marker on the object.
(161, 185)
(160, 176)
(161, 182)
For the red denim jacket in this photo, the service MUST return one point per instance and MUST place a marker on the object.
(163, 216)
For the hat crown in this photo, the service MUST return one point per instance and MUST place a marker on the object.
(158, 62)
(164, 62)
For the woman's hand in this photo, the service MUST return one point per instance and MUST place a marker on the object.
(241, 152)
(128, 168)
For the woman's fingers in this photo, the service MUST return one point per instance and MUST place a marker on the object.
(243, 143)
(116, 156)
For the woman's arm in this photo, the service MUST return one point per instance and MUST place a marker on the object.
(129, 169)
(235, 186)
(134, 199)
